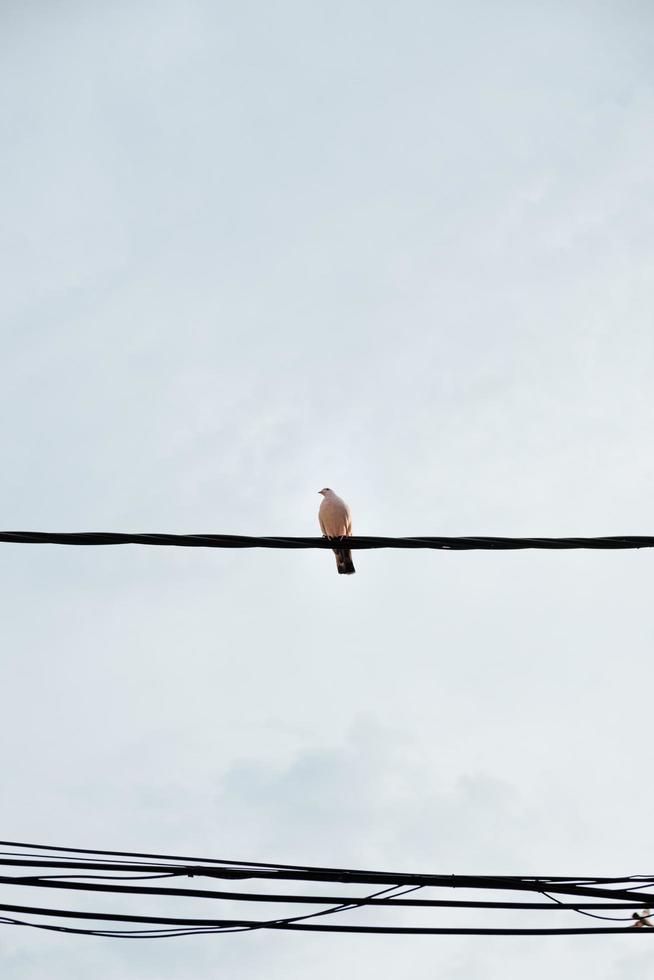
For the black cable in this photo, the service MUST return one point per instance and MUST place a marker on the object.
(258, 869)
(133, 873)
(46, 881)
(359, 877)
(344, 906)
(570, 886)
(238, 925)
(616, 543)
(593, 915)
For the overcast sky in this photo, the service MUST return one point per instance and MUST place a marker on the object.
(402, 250)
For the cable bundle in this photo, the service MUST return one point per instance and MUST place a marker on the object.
(128, 875)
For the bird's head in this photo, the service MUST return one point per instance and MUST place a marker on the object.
(325, 491)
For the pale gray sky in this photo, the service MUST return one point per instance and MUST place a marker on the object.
(404, 250)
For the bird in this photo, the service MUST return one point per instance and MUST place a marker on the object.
(336, 522)
(642, 921)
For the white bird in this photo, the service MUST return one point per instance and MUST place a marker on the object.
(336, 522)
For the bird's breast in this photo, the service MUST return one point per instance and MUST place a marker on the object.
(335, 518)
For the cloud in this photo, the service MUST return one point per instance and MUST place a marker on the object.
(375, 800)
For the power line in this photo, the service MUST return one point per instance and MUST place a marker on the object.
(358, 543)
(139, 875)
(50, 881)
(226, 925)
(185, 866)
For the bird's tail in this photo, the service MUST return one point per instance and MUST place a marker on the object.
(344, 562)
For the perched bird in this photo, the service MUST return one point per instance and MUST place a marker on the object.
(642, 921)
(336, 522)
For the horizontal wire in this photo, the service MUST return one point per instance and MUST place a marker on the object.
(389, 891)
(90, 538)
(176, 933)
(358, 877)
(35, 881)
(310, 872)
(249, 924)
(572, 886)
(222, 925)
